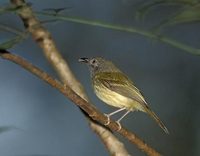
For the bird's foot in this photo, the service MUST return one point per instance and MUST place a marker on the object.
(108, 119)
(65, 86)
(119, 126)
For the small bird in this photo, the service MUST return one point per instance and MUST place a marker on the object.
(114, 88)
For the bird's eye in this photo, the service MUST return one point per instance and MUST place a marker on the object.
(93, 61)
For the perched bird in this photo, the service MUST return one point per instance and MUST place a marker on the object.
(114, 88)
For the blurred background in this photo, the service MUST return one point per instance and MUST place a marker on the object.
(35, 119)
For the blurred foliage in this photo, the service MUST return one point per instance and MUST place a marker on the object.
(57, 10)
(10, 8)
(11, 42)
(188, 11)
(148, 34)
(184, 16)
(7, 9)
(5, 129)
(20, 36)
(187, 15)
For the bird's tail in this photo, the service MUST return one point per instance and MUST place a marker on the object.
(159, 122)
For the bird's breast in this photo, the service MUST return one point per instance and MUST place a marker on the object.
(112, 98)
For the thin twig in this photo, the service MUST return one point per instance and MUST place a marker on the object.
(75, 98)
(12, 30)
(130, 29)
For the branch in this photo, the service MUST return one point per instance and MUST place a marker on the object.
(80, 102)
(44, 39)
(107, 137)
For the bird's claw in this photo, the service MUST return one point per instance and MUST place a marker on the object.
(65, 86)
(119, 126)
(108, 120)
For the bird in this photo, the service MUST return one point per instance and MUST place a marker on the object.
(114, 88)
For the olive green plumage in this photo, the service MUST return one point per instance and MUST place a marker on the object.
(114, 88)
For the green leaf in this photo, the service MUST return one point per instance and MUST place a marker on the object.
(186, 15)
(147, 7)
(190, 14)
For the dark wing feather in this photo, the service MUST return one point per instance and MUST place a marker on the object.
(119, 83)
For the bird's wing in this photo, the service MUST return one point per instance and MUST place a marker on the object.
(119, 83)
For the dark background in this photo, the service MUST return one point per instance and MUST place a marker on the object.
(44, 122)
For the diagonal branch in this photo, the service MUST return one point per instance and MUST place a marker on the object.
(84, 105)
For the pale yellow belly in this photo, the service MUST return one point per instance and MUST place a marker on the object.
(114, 99)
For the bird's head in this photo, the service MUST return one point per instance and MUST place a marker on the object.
(98, 64)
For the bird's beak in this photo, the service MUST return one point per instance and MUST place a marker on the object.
(84, 60)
